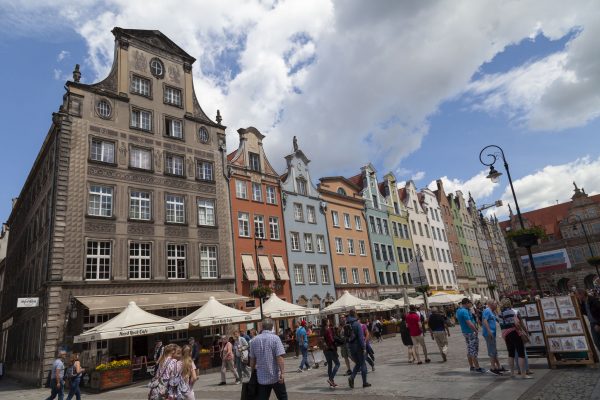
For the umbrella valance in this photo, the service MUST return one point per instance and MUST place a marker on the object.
(277, 308)
(348, 302)
(214, 313)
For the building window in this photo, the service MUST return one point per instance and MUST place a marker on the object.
(341, 191)
(208, 262)
(203, 135)
(311, 216)
(140, 158)
(141, 119)
(103, 109)
(395, 229)
(438, 254)
(384, 255)
(295, 241)
(437, 277)
(325, 274)
(343, 275)
(362, 248)
(301, 186)
(406, 234)
(321, 243)
(254, 161)
(97, 263)
(372, 223)
(379, 227)
(139, 260)
(175, 209)
(405, 253)
(174, 165)
(358, 223)
(100, 201)
(386, 228)
(381, 278)
(351, 246)
(312, 274)
(339, 246)
(308, 242)
(367, 275)
(335, 218)
(259, 226)
(241, 189)
(355, 278)
(431, 253)
(173, 128)
(172, 96)
(102, 151)
(412, 224)
(140, 86)
(299, 274)
(271, 195)
(395, 276)
(298, 212)
(400, 256)
(204, 171)
(243, 224)
(347, 221)
(375, 202)
(176, 261)
(274, 228)
(415, 206)
(420, 229)
(377, 251)
(396, 208)
(156, 68)
(206, 212)
(443, 277)
(430, 276)
(139, 206)
(391, 253)
(427, 230)
(433, 233)
(256, 192)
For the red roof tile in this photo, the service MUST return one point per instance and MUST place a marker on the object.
(357, 180)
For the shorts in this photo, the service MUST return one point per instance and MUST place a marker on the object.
(472, 341)
(344, 350)
(490, 341)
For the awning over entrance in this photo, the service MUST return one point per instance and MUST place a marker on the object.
(248, 264)
(265, 267)
(154, 301)
(281, 269)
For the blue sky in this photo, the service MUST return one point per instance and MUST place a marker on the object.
(398, 85)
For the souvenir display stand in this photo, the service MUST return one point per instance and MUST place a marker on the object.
(565, 331)
(530, 314)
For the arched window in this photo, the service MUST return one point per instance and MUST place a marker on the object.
(341, 191)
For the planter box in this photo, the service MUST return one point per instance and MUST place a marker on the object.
(205, 361)
(110, 379)
(526, 240)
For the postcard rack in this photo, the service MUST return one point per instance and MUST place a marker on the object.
(567, 337)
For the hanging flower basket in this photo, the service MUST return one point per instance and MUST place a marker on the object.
(527, 237)
(261, 292)
(594, 261)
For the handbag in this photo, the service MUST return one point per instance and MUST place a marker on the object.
(250, 388)
(523, 334)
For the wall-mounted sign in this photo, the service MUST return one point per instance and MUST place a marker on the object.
(25, 302)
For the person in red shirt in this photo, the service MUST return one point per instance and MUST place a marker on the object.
(415, 328)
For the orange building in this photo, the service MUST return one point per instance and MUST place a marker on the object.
(257, 214)
(351, 259)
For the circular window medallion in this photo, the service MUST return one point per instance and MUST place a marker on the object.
(157, 68)
(203, 135)
(103, 109)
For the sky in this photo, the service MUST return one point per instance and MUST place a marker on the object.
(416, 88)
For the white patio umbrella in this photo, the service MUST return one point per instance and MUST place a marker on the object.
(417, 301)
(441, 298)
(277, 308)
(132, 321)
(214, 313)
(392, 303)
(347, 302)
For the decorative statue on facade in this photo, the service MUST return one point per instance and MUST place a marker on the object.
(295, 142)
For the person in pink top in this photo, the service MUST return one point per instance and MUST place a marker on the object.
(370, 356)
(415, 328)
(227, 361)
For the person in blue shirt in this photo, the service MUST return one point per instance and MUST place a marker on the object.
(488, 329)
(469, 330)
(302, 339)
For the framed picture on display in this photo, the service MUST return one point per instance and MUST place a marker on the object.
(532, 310)
(567, 312)
(562, 328)
(548, 302)
(534, 325)
(564, 301)
(551, 313)
(536, 339)
(575, 326)
(550, 328)
(522, 311)
(555, 344)
(580, 343)
(568, 343)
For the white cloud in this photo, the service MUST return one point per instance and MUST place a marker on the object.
(479, 186)
(417, 176)
(57, 74)
(62, 55)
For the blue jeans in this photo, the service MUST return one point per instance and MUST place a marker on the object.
(332, 358)
(517, 361)
(359, 358)
(74, 390)
(56, 391)
(304, 351)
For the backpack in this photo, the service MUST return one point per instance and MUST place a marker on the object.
(349, 333)
(70, 372)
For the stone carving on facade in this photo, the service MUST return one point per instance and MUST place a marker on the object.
(139, 61)
(99, 227)
(157, 160)
(174, 74)
(122, 154)
(179, 231)
(208, 234)
(191, 170)
(140, 229)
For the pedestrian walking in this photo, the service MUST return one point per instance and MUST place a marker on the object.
(74, 374)
(590, 306)
(488, 330)
(469, 330)
(330, 351)
(370, 354)
(240, 352)
(165, 369)
(377, 328)
(227, 361)
(416, 329)
(57, 375)
(266, 356)
(512, 327)
(344, 351)
(406, 339)
(357, 346)
(195, 351)
(438, 326)
(158, 350)
(302, 340)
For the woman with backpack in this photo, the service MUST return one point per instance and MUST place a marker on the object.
(187, 370)
(513, 328)
(74, 374)
(330, 351)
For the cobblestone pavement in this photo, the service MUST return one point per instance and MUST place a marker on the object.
(394, 378)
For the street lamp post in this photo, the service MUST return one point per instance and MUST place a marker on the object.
(419, 256)
(258, 246)
(587, 239)
(494, 176)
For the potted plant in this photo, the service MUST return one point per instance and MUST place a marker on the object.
(423, 289)
(205, 360)
(261, 292)
(111, 375)
(527, 237)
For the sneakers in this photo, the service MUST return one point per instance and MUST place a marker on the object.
(348, 373)
(427, 360)
(222, 383)
(308, 368)
(238, 382)
(495, 371)
(332, 384)
(444, 357)
(365, 385)
(481, 370)
(351, 383)
(527, 377)
(472, 369)
(299, 370)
